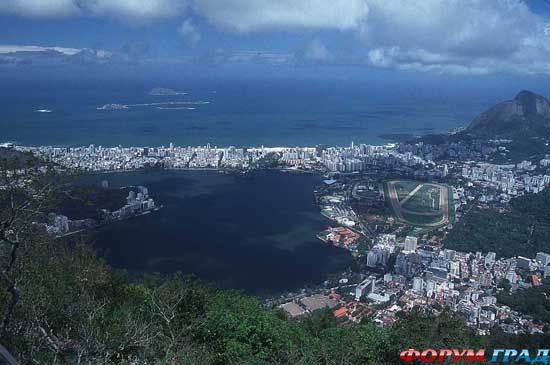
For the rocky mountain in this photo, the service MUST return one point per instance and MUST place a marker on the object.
(527, 115)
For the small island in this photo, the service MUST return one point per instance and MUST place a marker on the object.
(113, 107)
(161, 91)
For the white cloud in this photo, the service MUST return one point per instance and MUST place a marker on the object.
(14, 55)
(128, 10)
(190, 33)
(237, 15)
(11, 48)
(316, 51)
(261, 15)
(459, 36)
(39, 8)
(268, 57)
(136, 9)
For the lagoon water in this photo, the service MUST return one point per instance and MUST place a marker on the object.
(256, 233)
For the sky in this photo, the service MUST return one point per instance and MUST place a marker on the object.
(464, 39)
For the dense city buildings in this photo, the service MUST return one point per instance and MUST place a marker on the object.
(510, 179)
(334, 159)
(399, 272)
(437, 279)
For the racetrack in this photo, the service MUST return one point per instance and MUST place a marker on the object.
(398, 209)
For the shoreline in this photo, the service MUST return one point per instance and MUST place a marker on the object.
(104, 224)
(212, 169)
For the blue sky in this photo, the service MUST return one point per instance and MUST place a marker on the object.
(356, 38)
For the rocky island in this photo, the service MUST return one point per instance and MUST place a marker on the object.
(113, 107)
(161, 91)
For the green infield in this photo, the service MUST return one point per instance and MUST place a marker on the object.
(404, 188)
(426, 199)
(419, 204)
(423, 220)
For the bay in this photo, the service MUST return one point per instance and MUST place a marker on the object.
(237, 112)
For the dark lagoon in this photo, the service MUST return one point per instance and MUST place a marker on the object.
(255, 233)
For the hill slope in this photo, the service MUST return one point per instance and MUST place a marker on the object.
(528, 115)
(524, 230)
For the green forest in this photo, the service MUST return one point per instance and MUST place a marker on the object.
(523, 230)
(532, 301)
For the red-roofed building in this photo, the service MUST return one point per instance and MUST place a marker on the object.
(341, 312)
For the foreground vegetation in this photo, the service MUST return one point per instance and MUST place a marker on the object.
(73, 308)
(524, 230)
(61, 304)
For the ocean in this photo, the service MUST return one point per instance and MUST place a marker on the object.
(236, 112)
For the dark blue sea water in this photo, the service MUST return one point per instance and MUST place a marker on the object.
(256, 233)
(240, 113)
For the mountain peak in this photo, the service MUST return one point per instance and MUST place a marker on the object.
(528, 113)
(527, 94)
(533, 103)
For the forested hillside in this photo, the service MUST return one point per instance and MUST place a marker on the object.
(524, 230)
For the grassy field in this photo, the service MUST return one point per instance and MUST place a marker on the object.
(404, 187)
(425, 200)
(452, 213)
(422, 219)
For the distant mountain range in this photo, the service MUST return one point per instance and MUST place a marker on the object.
(525, 116)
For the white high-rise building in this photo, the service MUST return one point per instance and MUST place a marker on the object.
(418, 283)
(371, 259)
(411, 243)
(454, 268)
(512, 277)
(366, 286)
(62, 223)
(490, 259)
(544, 258)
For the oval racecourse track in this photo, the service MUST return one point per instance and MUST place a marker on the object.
(398, 209)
